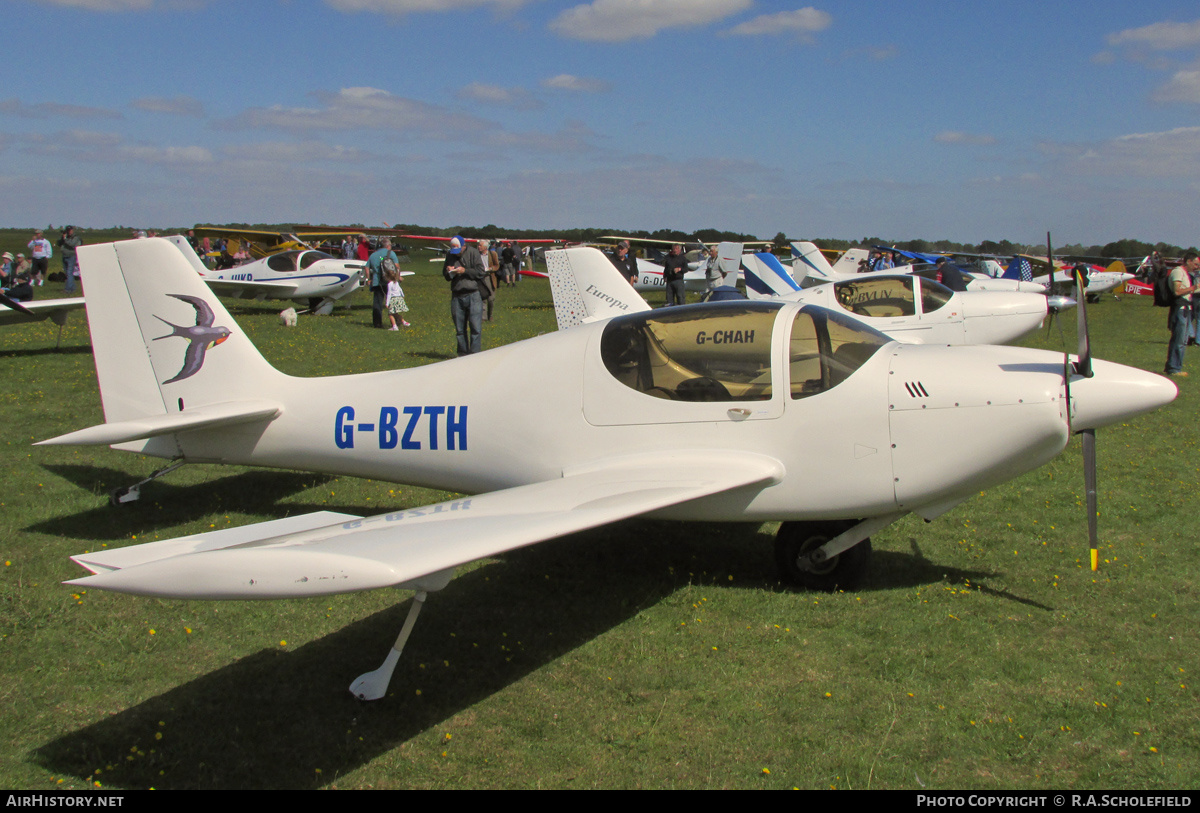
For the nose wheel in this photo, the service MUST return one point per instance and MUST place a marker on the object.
(802, 563)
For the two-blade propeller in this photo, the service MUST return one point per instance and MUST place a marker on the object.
(1082, 367)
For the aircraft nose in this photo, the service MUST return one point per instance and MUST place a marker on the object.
(1058, 304)
(1115, 393)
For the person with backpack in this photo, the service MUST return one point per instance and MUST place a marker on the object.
(1179, 322)
(380, 264)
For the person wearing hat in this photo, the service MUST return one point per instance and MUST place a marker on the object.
(6, 270)
(40, 251)
(625, 262)
(464, 270)
(20, 287)
(68, 242)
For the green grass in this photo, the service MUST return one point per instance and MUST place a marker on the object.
(981, 654)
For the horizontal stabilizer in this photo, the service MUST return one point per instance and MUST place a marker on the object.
(420, 546)
(204, 417)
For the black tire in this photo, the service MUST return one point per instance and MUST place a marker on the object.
(845, 571)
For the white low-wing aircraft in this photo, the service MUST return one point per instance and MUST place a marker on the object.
(809, 263)
(307, 275)
(746, 411)
(907, 307)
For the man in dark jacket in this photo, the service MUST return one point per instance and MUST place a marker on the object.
(625, 262)
(674, 267)
(464, 270)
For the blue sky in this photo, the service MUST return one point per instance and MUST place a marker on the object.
(965, 121)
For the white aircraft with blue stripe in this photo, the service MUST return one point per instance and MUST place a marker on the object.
(809, 263)
(313, 277)
(907, 307)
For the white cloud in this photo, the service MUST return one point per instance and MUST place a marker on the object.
(803, 22)
(299, 152)
(1184, 86)
(621, 20)
(102, 5)
(176, 106)
(1171, 156)
(960, 137)
(401, 7)
(1160, 36)
(577, 84)
(363, 108)
(45, 110)
(514, 98)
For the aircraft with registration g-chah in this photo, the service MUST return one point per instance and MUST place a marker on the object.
(739, 411)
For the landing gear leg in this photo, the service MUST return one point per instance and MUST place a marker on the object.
(124, 494)
(373, 685)
(802, 563)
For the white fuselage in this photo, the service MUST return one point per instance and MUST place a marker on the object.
(465, 425)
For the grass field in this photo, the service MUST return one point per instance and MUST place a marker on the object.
(982, 653)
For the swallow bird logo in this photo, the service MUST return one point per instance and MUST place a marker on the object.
(201, 336)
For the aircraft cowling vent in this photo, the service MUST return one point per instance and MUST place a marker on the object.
(916, 389)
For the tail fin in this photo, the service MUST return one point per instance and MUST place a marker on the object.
(729, 260)
(185, 248)
(809, 259)
(849, 262)
(1117, 267)
(1019, 268)
(766, 276)
(587, 287)
(168, 355)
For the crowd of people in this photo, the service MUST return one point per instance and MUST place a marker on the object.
(20, 274)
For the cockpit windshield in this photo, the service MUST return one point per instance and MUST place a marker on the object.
(878, 296)
(283, 261)
(310, 257)
(694, 354)
(826, 348)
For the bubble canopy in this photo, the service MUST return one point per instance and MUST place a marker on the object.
(723, 352)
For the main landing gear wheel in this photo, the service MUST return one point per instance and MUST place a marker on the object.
(796, 540)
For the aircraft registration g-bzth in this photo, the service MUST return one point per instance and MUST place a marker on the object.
(740, 411)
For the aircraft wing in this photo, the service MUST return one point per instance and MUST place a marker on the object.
(417, 547)
(53, 309)
(251, 288)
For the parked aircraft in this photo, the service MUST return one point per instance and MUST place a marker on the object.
(1096, 280)
(265, 243)
(746, 411)
(307, 275)
(908, 307)
(809, 263)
